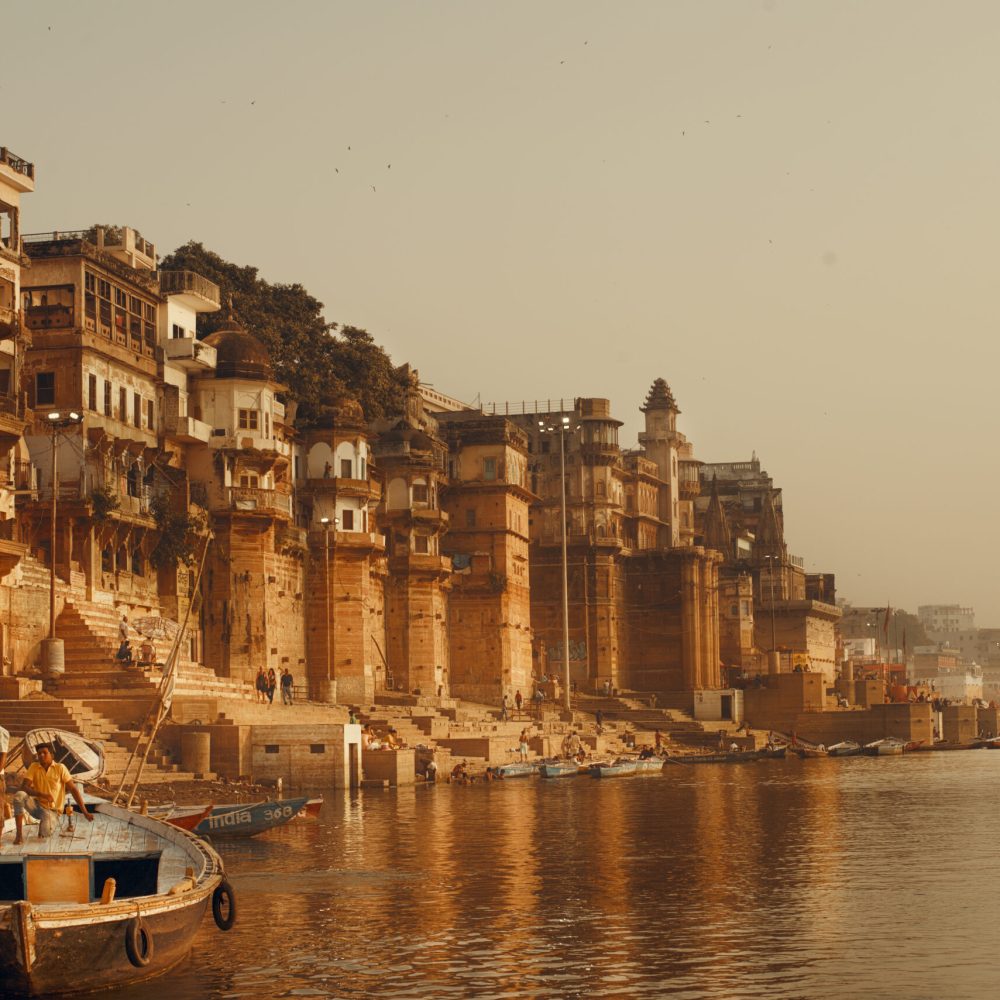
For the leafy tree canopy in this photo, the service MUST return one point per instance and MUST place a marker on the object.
(319, 361)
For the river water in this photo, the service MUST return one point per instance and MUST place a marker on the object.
(857, 878)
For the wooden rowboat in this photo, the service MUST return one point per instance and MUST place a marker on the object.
(649, 765)
(519, 769)
(889, 747)
(183, 817)
(559, 769)
(735, 757)
(250, 819)
(117, 901)
(311, 809)
(847, 748)
(619, 769)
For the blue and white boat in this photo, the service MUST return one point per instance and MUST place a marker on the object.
(619, 769)
(560, 769)
(519, 769)
(250, 819)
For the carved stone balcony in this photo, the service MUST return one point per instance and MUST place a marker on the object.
(249, 500)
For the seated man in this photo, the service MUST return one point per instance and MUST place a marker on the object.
(44, 793)
(147, 655)
(124, 654)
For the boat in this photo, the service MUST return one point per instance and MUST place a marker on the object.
(519, 769)
(83, 758)
(809, 752)
(773, 753)
(311, 809)
(990, 743)
(183, 817)
(116, 902)
(888, 747)
(846, 748)
(649, 765)
(730, 757)
(249, 819)
(559, 769)
(618, 769)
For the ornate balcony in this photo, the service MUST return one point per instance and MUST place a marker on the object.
(203, 295)
(188, 353)
(247, 499)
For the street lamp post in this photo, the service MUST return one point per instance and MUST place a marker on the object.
(563, 428)
(53, 661)
(325, 521)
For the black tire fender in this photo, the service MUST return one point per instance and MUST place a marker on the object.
(224, 905)
(138, 942)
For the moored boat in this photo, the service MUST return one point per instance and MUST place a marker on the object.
(249, 819)
(183, 817)
(807, 753)
(559, 769)
(519, 769)
(773, 753)
(731, 757)
(83, 758)
(649, 765)
(888, 747)
(118, 902)
(846, 748)
(311, 809)
(617, 769)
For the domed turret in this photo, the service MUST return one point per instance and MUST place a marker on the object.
(240, 354)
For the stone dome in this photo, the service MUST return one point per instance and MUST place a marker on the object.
(240, 354)
(347, 410)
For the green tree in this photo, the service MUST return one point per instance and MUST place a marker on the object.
(318, 360)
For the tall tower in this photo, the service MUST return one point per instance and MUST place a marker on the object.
(346, 662)
(660, 440)
(411, 463)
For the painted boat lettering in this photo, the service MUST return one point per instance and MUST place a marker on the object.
(235, 818)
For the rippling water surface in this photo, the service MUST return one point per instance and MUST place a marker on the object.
(857, 878)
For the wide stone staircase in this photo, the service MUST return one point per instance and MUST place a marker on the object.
(21, 716)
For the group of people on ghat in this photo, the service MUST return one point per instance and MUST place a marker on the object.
(42, 795)
(370, 740)
(126, 655)
(266, 684)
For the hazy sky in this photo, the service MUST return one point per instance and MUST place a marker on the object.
(786, 209)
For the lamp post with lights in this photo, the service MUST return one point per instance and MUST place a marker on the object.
(53, 659)
(563, 427)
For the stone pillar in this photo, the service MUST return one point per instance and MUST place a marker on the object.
(689, 623)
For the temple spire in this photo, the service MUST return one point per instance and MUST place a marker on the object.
(770, 537)
(659, 397)
(717, 535)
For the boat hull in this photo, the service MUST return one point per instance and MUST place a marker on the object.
(87, 954)
(559, 770)
(249, 820)
(612, 770)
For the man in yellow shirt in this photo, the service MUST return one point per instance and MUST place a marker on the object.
(47, 783)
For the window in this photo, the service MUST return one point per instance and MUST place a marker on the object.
(420, 544)
(361, 468)
(136, 409)
(107, 398)
(92, 392)
(45, 389)
(470, 518)
(346, 468)
(178, 332)
(489, 468)
(123, 405)
(150, 415)
(248, 420)
(420, 493)
(267, 424)
(347, 517)
(5, 382)
(249, 480)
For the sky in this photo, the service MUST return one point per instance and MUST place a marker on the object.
(788, 210)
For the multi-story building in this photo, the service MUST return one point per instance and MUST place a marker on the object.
(643, 599)
(794, 615)
(17, 177)
(487, 502)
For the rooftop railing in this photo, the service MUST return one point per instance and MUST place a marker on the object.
(189, 281)
(16, 163)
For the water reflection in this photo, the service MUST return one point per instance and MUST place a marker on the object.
(823, 879)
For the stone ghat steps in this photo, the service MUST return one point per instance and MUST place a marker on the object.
(21, 716)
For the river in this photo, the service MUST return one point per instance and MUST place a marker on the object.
(858, 878)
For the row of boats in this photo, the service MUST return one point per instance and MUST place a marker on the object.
(572, 768)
